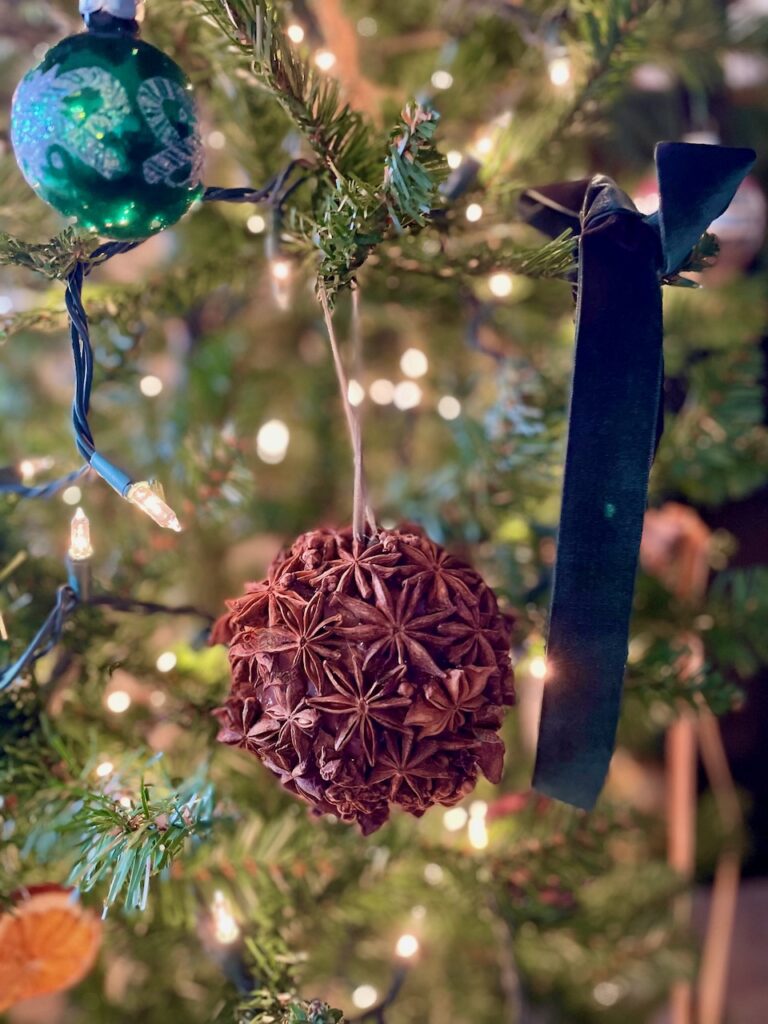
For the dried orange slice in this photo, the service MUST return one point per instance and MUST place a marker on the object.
(48, 943)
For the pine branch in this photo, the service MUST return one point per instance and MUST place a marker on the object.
(118, 837)
(339, 136)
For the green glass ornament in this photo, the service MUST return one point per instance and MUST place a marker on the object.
(105, 130)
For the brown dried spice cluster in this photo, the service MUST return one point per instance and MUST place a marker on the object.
(368, 673)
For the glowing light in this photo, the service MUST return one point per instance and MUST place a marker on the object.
(225, 928)
(559, 70)
(455, 819)
(217, 140)
(118, 701)
(538, 667)
(407, 946)
(500, 284)
(3, 634)
(407, 394)
(166, 662)
(368, 27)
(477, 830)
(256, 224)
(382, 391)
(72, 495)
(454, 158)
(152, 504)
(414, 362)
(295, 33)
(29, 468)
(157, 698)
(325, 59)
(150, 386)
(80, 547)
(449, 407)
(484, 145)
(272, 441)
(442, 79)
(606, 993)
(364, 997)
(355, 392)
(104, 769)
(281, 273)
(433, 874)
(126, 802)
(473, 212)
(418, 913)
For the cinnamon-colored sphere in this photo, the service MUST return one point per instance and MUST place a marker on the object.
(369, 673)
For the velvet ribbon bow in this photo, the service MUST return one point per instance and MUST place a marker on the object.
(615, 422)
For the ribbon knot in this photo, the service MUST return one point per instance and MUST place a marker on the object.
(615, 423)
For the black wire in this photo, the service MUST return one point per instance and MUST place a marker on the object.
(46, 637)
(129, 604)
(274, 192)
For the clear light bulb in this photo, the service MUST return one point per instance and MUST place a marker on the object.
(152, 504)
(225, 928)
(407, 947)
(80, 548)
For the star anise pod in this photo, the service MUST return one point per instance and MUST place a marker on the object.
(352, 566)
(361, 705)
(469, 637)
(407, 764)
(447, 702)
(305, 633)
(237, 718)
(443, 574)
(294, 720)
(392, 628)
(265, 600)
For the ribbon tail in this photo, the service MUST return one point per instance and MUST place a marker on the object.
(612, 437)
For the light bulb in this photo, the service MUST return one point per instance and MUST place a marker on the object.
(80, 548)
(407, 394)
(414, 362)
(538, 667)
(442, 79)
(455, 819)
(281, 274)
(355, 392)
(559, 70)
(473, 212)
(364, 997)
(407, 946)
(454, 158)
(72, 495)
(29, 468)
(272, 441)
(382, 391)
(483, 146)
(118, 701)
(150, 386)
(150, 502)
(256, 224)
(477, 830)
(3, 629)
(500, 284)
(217, 140)
(280, 270)
(104, 769)
(325, 59)
(449, 407)
(295, 33)
(225, 927)
(166, 662)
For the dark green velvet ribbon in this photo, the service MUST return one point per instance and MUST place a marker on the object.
(615, 422)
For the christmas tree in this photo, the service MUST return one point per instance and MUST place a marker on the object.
(356, 336)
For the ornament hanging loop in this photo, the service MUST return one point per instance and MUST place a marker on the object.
(112, 15)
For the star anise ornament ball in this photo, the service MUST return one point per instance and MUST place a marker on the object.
(367, 674)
